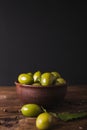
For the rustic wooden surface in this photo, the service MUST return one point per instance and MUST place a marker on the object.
(12, 119)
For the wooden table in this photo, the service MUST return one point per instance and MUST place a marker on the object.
(12, 119)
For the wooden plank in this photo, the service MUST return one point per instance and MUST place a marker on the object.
(11, 117)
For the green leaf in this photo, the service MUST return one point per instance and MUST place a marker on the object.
(66, 116)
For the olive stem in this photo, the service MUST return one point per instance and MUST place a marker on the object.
(44, 110)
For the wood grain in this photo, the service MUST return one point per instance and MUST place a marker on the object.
(12, 119)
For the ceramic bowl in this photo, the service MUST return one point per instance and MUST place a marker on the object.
(44, 96)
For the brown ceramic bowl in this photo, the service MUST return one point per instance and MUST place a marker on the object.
(44, 96)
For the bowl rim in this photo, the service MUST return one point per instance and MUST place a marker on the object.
(42, 87)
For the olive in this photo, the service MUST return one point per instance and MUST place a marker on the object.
(29, 73)
(44, 121)
(36, 84)
(60, 81)
(46, 79)
(25, 78)
(37, 76)
(31, 110)
(56, 75)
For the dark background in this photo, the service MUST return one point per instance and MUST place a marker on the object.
(45, 36)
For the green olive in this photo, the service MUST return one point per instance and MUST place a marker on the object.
(37, 76)
(56, 75)
(29, 73)
(44, 121)
(36, 84)
(46, 79)
(31, 110)
(25, 79)
(60, 81)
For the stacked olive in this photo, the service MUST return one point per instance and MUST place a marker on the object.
(41, 79)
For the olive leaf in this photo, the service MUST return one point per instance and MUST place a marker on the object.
(66, 116)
